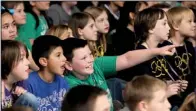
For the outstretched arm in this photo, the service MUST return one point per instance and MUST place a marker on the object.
(135, 57)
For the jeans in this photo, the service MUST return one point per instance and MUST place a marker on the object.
(27, 99)
(116, 86)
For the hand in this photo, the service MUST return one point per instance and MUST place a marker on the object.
(167, 50)
(183, 85)
(172, 89)
(19, 91)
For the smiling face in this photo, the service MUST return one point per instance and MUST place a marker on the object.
(102, 23)
(9, 30)
(82, 61)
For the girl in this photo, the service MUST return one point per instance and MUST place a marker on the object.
(36, 23)
(102, 24)
(61, 31)
(8, 25)
(83, 27)
(15, 69)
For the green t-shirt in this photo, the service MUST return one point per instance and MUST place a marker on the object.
(103, 66)
(27, 32)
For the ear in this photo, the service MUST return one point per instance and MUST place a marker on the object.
(131, 15)
(175, 27)
(142, 106)
(80, 31)
(43, 61)
(68, 66)
(32, 3)
(151, 31)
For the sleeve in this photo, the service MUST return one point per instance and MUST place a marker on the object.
(107, 65)
(54, 15)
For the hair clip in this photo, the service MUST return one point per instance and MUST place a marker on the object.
(10, 10)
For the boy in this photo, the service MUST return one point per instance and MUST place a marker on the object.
(84, 70)
(146, 93)
(91, 98)
(181, 21)
(47, 84)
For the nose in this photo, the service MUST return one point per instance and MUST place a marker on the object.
(27, 61)
(64, 58)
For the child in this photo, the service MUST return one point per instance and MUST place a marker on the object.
(181, 21)
(146, 93)
(61, 31)
(18, 10)
(36, 23)
(84, 70)
(8, 25)
(15, 69)
(189, 103)
(48, 55)
(102, 24)
(91, 98)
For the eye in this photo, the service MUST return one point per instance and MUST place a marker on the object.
(5, 26)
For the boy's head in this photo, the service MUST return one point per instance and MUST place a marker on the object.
(90, 99)
(146, 93)
(181, 20)
(48, 54)
(79, 56)
(163, 6)
(151, 22)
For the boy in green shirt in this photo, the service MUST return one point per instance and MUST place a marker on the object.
(83, 69)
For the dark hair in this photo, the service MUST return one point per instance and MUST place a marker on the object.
(43, 46)
(84, 101)
(4, 10)
(194, 11)
(139, 4)
(161, 5)
(79, 20)
(18, 108)
(10, 55)
(10, 4)
(146, 20)
(70, 44)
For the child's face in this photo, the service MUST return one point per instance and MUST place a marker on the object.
(89, 32)
(102, 103)
(21, 70)
(161, 29)
(42, 6)
(159, 102)
(82, 61)
(56, 61)
(102, 23)
(9, 30)
(19, 14)
(187, 26)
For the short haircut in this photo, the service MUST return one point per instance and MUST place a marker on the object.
(142, 88)
(70, 44)
(145, 21)
(43, 46)
(161, 5)
(79, 20)
(10, 56)
(177, 14)
(82, 98)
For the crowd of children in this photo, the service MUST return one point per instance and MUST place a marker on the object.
(98, 56)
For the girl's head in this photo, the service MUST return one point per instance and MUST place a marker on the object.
(40, 6)
(61, 31)
(14, 60)
(8, 26)
(189, 103)
(101, 18)
(18, 7)
(83, 26)
(151, 22)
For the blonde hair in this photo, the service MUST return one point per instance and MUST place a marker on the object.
(177, 14)
(189, 103)
(58, 30)
(142, 88)
(97, 50)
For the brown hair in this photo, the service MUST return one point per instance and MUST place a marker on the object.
(96, 12)
(176, 15)
(58, 30)
(11, 4)
(189, 103)
(142, 88)
(10, 55)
